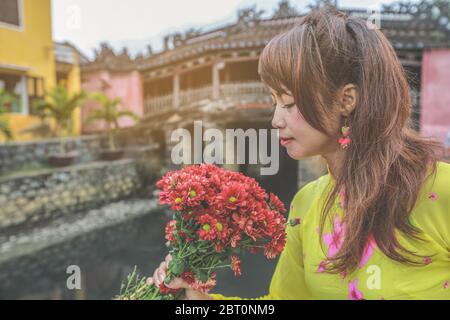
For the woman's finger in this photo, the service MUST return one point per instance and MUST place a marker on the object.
(161, 275)
(157, 276)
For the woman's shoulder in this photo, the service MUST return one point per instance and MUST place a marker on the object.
(432, 210)
(437, 185)
(442, 177)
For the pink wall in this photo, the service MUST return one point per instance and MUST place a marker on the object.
(435, 93)
(127, 86)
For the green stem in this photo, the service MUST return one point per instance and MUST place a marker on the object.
(216, 267)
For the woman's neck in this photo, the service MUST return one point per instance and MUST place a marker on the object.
(334, 161)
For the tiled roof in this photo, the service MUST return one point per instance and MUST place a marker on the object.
(409, 26)
(406, 30)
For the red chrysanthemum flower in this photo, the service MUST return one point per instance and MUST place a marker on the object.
(275, 246)
(276, 204)
(236, 265)
(207, 229)
(232, 197)
(235, 240)
(188, 276)
(225, 208)
(170, 229)
(176, 199)
(165, 290)
(204, 287)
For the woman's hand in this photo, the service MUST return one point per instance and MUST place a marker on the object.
(176, 283)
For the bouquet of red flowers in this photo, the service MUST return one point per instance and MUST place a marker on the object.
(218, 214)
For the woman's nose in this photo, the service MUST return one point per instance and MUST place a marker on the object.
(278, 121)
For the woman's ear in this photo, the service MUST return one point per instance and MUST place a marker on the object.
(347, 97)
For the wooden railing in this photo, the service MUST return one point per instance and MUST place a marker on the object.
(193, 95)
(250, 91)
(158, 104)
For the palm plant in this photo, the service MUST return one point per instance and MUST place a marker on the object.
(60, 106)
(6, 99)
(110, 114)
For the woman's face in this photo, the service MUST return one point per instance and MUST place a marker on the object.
(296, 135)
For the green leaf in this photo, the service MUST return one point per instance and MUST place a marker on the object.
(202, 275)
(177, 267)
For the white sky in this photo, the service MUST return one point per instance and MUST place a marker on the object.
(136, 23)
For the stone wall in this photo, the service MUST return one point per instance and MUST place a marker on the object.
(32, 197)
(34, 153)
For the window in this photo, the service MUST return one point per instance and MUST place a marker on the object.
(25, 89)
(36, 91)
(13, 85)
(11, 13)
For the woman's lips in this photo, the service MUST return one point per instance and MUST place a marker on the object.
(285, 141)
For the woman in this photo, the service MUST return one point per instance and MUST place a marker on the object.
(377, 226)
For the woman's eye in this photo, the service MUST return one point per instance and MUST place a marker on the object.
(287, 106)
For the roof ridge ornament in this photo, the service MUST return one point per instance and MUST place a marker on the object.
(247, 18)
(285, 10)
(316, 4)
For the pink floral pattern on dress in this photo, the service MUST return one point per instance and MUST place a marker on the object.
(322, 266)
(433, 196)
(368, 251)
(353, 292)
(335, 239)
(427, 260)
(445, 285)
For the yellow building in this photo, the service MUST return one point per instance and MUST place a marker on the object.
(30, 63)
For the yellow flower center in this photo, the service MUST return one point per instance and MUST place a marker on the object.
(232, 199)
(192, 193)
(206, 227)
(219, 226)
(178, 200)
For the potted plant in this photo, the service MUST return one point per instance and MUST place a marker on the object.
(109, 113)
(60, 106)
(6, 101)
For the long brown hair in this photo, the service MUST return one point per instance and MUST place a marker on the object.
(387, 161)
